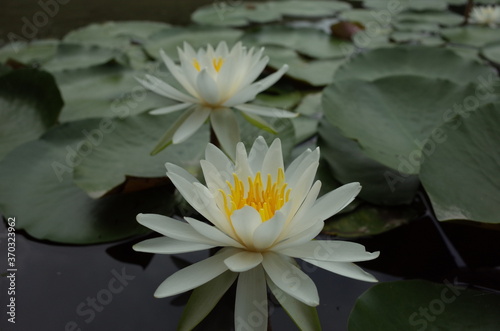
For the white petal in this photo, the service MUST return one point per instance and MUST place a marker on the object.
(302, 237)
(333, 202)
(265, 111)
(290, 279)
(257, 153)
(213, 233)
(330, 250)
(173, 168)
(271, 79)
(345, 269)
(162, 88)
(226, 129)
(195, 275)
(207, 87)
(215, 178)
(251, 301)
(191, 124)
(266, 234)
(172, 228)
(301, 188)
(246, 94)
(165, 245)
(272, 161)
(245, 221)
(170, 109)
(297, 168)
(242, 167)
(243, 261)
(220, 161)
(255, 70)
(177, 73)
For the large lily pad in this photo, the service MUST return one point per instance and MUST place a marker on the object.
(33, 53)
(307, 41)
(444, 18)
(36, 185)
(492, 53)
(471, 148)
(348, 163)
(314, 72)
(422, 305)
(420, 5)
(391, 118)
(30, 103)
(430, 62)
(121, 147)
(471, 35)
(196, 36)
(75, 56)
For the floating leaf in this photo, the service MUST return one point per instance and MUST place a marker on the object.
(444, 18)
(306, 125)
(430, 62)
(471, 35)
(470, 147)
(30, 103)
(33, 53)
(426, 306)
(36, 185)
(401, 5)
(416, 38)
(492, 53)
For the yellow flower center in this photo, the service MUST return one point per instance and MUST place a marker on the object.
(216, 62)
(266, 200)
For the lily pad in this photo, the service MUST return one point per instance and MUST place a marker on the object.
(33, 53)
(306, 125)
(391, 118)
(416, 38)
(348, 162)
(420, 5)
(105, 91)
(77, 56)
(307, 41)
(444, 18)
(492, 53)
(116, 148)
(196, 36)
(416, 26)
(369, 220)
(30, 103)
(471, 35)
(36, 185)
(427, 306)
(471, 148)
(314, 72)
(429, 62)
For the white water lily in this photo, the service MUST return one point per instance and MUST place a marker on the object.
(213, 82)
(486, 15)
(263, 217)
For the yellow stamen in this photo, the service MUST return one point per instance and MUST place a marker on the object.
(265, 200)
(196, 64)
(216, 62)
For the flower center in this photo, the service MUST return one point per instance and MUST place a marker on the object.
(266, 200)
(216, 62)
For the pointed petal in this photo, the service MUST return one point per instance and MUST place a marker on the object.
(330, 250)
(242, 167)
(207, 87)
(220, 161)
(166, 140)
(203, 300)
(170, 109)
(172, 228)
(245, 221)
(177, 73)
(246, 94)
(158, 86)
(333, 202)
(259, 122)
(213, 233)
(243, 261)
(344, 268)
(191, 124)
(273, 161)
(251, 301)
(257, 153)
(173, 168)
(271, 79)
(302, 237)
(290, 279)
(214, 177)
(226, 129)
(266, 234)
(194, 275)
(265, 111)
(165, 245)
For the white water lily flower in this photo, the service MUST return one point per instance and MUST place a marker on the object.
(263, 216)
(213, 82)
(486, 15)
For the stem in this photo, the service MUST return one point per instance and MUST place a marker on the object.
(468, 9)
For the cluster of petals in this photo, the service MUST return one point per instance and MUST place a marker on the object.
(211, 82)
(258, 249)
(486, 15)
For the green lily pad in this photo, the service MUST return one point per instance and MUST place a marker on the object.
(363, 16)
(348, 162)
(416, 38)
(430, 62)
(470, 148)
(117, 148)
(77, 56)
(471, 35)
(36, 185)
(369, 220)
(492, 53)
(30, 103)
(444, 18)
(306, 125)
(391, 118)
(239, 13)
(307, 41)
(426, 306)
(314, 72)
(420, 5)
(33, 53)
(196, 36)
(115, 34)
(284, 97)
(416, 26)
(105, 91)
